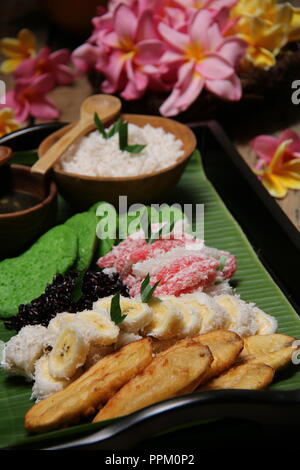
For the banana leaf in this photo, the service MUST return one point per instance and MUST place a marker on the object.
(253, 282)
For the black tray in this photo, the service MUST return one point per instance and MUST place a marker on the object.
(232, 414)
(274, 237)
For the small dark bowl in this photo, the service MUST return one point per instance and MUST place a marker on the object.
(19, 229)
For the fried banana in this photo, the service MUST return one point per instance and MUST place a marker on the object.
(168, 375)
(275, 350)
(225, 347)
(95, 387)
(248, 376)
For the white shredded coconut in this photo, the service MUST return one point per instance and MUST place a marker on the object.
(96, 156)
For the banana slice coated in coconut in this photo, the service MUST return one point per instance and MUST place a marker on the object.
(267, 325)
(45, 385)
(190, 320)
(138, 314)
(166, 319)
(242, 319)
(56, 323)
(98, 328)
(69, 352)
(24, 349)
(211, 314)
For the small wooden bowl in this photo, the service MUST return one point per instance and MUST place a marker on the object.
(19, 229)
(82, 191)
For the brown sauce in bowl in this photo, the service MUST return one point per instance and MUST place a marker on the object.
(16, 201)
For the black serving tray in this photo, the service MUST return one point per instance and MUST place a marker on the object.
(277, 243)
(274, 237)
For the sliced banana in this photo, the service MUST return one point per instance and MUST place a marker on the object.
(98, 328)
(24, 349)
(190, 320)
(267, 324)
(45, 384)
(209, 311)
(56, 323)
(126, 338)
(242, 319)
(166, 319)
(138, 314)
(96, 353)
(69, 352)
(101, 306)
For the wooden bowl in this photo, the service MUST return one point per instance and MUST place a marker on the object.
(82, 191)
(19, 229)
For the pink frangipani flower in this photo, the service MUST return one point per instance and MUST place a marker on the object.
(278, 167)
(204, 59)
(265, 147)
(207, 4)
(135, 53)
(85, 57)
(29, 99)
(54, 64)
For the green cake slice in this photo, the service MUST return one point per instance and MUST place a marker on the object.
(84, 225)
(25, 277)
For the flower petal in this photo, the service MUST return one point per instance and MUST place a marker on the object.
(176, 39)
(289, 180)
(229, 89)
(25, 69)
(62, 56)
(149, 51)
(294, 137)
(233, 50)
(44, 109)
(146, 28)
(114, 68)
(125, 22)
(214, 67)
(10, 65)
(279, 155)
(85, 57)
(199, 26)
(27, 38)
(64, 75)
(42, 84)
(131, 92)
(274, 185)
(187, 89)
(265, 146)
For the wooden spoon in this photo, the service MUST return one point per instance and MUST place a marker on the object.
(106, 106)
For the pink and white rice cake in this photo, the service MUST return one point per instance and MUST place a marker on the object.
(182, 265)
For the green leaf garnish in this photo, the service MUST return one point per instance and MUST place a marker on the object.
(223, 260)
(123, 140)
(100, 126)
(134, 148)
(155, 236)
(147, 290)
(115, 310)
(77, 289)
(114, 129)
(123, 135)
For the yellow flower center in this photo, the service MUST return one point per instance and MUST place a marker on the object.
(194, 52)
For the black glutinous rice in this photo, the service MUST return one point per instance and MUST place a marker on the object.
(57, 298)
